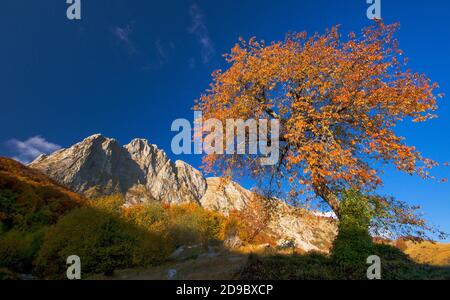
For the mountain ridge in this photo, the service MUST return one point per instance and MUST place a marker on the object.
(138, 167)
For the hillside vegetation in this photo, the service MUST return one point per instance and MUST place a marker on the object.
(29, 203)
(42, 223)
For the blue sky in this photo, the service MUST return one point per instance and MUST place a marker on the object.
(129, 68)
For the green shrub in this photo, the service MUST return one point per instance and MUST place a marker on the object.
(107, 237)
(6, 274)
(17, 249)
(102, 241)
(353, 245)
(152, 249)
(312, 266)
(7, 209)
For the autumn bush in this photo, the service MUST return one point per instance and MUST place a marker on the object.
(248, 230)
(108, 236)
(29, 199)
(232, 226)
(105, 237)
(152, 215)
(101, 240)
(177, 225)
(191, 224)
(154, 242)
(250, 223)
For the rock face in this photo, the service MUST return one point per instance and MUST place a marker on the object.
(293, 226)
(224, 197)
(139, 170)
(301, 228)
(142, 173)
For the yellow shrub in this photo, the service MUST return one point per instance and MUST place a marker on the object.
(108, 204)
(152, 215)
(191, 224)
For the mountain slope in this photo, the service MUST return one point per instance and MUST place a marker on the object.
(30, 203)
(143, 173)
(29, 198)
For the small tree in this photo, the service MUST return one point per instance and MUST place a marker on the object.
(338, 102)
(255, 217)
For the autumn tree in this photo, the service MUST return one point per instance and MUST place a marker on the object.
(255, 217)
(338, 101)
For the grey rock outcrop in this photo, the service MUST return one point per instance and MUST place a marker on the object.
(139, 170)
(301, 228)
(225, 196)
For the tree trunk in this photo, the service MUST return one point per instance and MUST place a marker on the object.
(329, 197)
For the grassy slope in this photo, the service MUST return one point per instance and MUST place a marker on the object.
(429, 253)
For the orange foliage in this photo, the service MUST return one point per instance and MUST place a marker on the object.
(34, 199)
(251, 223)
(338, 102)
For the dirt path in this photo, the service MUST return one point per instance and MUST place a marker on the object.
(223, 267)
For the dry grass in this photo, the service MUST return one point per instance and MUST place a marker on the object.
(429, 253)
(268, 250)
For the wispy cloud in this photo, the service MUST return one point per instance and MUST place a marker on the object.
(123, 35)
(200, 30)
(27, 151)
(162, 52)
(191, 62)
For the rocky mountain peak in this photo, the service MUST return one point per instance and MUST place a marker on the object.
(139, 170)
(142, 146)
